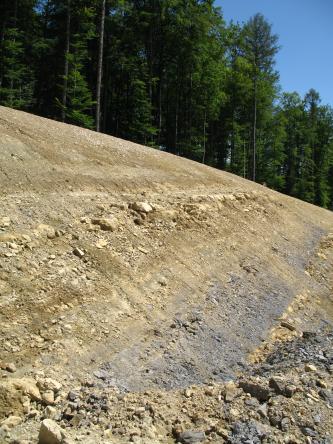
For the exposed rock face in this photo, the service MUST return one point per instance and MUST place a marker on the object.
(125, 271)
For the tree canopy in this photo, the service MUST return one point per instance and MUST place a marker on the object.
(171, 74)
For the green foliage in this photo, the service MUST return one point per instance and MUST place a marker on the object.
(17, 84)
(16, 74)
(308, 147)
(79, 106)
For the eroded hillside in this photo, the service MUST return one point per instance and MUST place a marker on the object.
(134, 274)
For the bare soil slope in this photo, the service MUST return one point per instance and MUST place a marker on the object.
(135, 269)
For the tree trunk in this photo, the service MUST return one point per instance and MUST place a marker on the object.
(105, 98)
(204, 140)
(159, 112)
(233, 144)
(2, 40)
(176, 129)
(190, 111)
(64, 92)
(100, 67)
(11, 83)
(244, 161)
(254, 135)
(4, 19)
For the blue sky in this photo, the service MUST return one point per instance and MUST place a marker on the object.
(305, 30)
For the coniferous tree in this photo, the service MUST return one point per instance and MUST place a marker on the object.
(233, 131)
(16, 74)
(66, 60)
(260, 47)
(100, 65)
(293, 120)
(76, 103)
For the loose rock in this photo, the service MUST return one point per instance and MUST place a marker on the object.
(255, 389)
(106, 224)
(50, 433)
(11, 421)
(78, 252)
(310, 368)
(191, 437)
(141, 207)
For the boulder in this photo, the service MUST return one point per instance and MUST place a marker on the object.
(46, 230)
(11, 421)
(256, 390)
(101, 243)
(50, 433)
(141, 207)
(5, 222)
(28, 387)
(230, 391)
(191, 437)
(106, 224)
(78, 252)
(310, 368)
(46, 384)
(50, 412)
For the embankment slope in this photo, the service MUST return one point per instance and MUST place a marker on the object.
(138, 268)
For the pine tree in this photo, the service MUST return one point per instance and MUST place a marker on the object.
(100, 64)
(293, 118)
(66, 60)
(77, 102)
(260, 48)
(16, 75)
(233, 136)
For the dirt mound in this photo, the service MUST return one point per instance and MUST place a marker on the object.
(137, 270)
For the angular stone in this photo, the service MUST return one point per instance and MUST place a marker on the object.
(106, 224)
(50, 412)
(141, 207)
(162, 281)
(49, 384)
(50, 433)
(278, 384)
(262, 410)
(11, 367)
(288, 325)
(230, 391)
(46, 230)
(101, 243)
(321, 383)
(78, 252)
(28, 387)
(5, 222)
(256, 390)
(48, 397)
(11, 421)
(308, 432)
(309, 334)
(290, 390)
(327, 395)
(191, 437)
(310, 368)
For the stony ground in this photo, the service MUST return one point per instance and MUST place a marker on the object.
(146, 298)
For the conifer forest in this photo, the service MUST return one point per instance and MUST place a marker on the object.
(173, 75)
